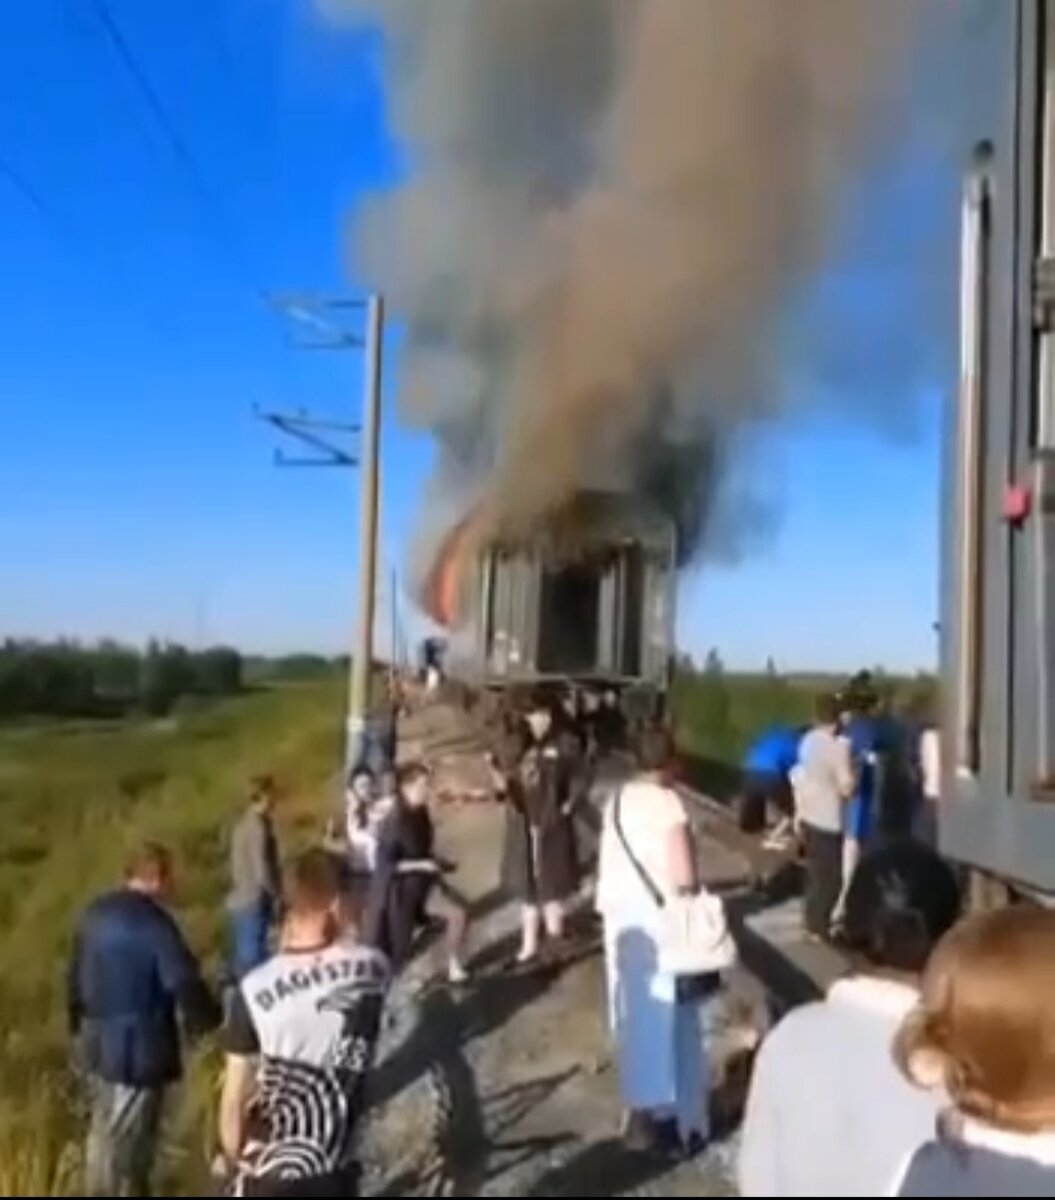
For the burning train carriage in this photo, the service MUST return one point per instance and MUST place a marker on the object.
(586, 598)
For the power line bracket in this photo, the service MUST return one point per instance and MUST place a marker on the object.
(309, 431)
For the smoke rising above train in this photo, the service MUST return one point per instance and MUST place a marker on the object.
(609, 211)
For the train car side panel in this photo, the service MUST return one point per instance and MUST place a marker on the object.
(995, 613)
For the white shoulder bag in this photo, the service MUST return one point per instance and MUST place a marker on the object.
(695, 938)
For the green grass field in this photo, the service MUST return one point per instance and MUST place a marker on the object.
(74, 797)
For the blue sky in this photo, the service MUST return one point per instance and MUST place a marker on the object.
(139, 495)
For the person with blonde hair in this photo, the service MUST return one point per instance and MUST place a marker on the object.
(984, 1034)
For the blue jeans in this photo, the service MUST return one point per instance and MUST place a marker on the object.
(250, 928)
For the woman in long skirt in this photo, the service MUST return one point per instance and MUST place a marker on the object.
(663, 1068)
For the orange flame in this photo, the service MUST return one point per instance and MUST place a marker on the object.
(442, 590)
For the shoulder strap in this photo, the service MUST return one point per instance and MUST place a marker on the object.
(643, 875)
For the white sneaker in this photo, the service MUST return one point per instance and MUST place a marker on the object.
(457, 975)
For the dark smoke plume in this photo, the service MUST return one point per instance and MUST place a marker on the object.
(609, 207)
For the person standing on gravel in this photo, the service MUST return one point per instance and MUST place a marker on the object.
(131, 976)
(540, 774)
(256, 879)
(646, 848)
(824, 783)
(409, 876)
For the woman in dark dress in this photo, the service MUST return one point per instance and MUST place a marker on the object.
(539, 772)
(408, 874)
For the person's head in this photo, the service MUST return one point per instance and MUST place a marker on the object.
(862, 696)
(826, 710)
(314, 899)
(149, 870)
(902, 901)
(351, 898)
(655, 750)
(540, 715)
(361, 784)
(984, 1030)
(263, 793)
(413, 782)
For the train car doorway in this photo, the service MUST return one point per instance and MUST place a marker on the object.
(569, 620)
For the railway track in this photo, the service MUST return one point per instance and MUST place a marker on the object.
(444, 1083)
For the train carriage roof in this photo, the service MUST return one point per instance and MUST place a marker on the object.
(592, 522)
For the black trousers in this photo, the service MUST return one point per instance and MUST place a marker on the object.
(824, 878)
(925, 825)
(762, 789)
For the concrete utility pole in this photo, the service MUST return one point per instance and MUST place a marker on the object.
(363, 652)
(309, 431)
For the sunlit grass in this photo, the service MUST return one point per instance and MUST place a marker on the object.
(74, 798)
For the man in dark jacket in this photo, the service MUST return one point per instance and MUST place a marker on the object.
(131, 973)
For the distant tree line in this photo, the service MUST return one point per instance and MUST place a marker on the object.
(293, 668)
(70, 679)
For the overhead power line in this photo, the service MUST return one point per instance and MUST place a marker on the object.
(29, 193)
(65, 234)
(212, 209)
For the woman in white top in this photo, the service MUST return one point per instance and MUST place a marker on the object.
(823, 782)
(662, 1063)
(828, 1113)
(365, 813)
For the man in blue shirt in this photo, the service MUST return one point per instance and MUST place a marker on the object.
(767, 767)
(864, 731)
(863, 728)
(131, 973)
